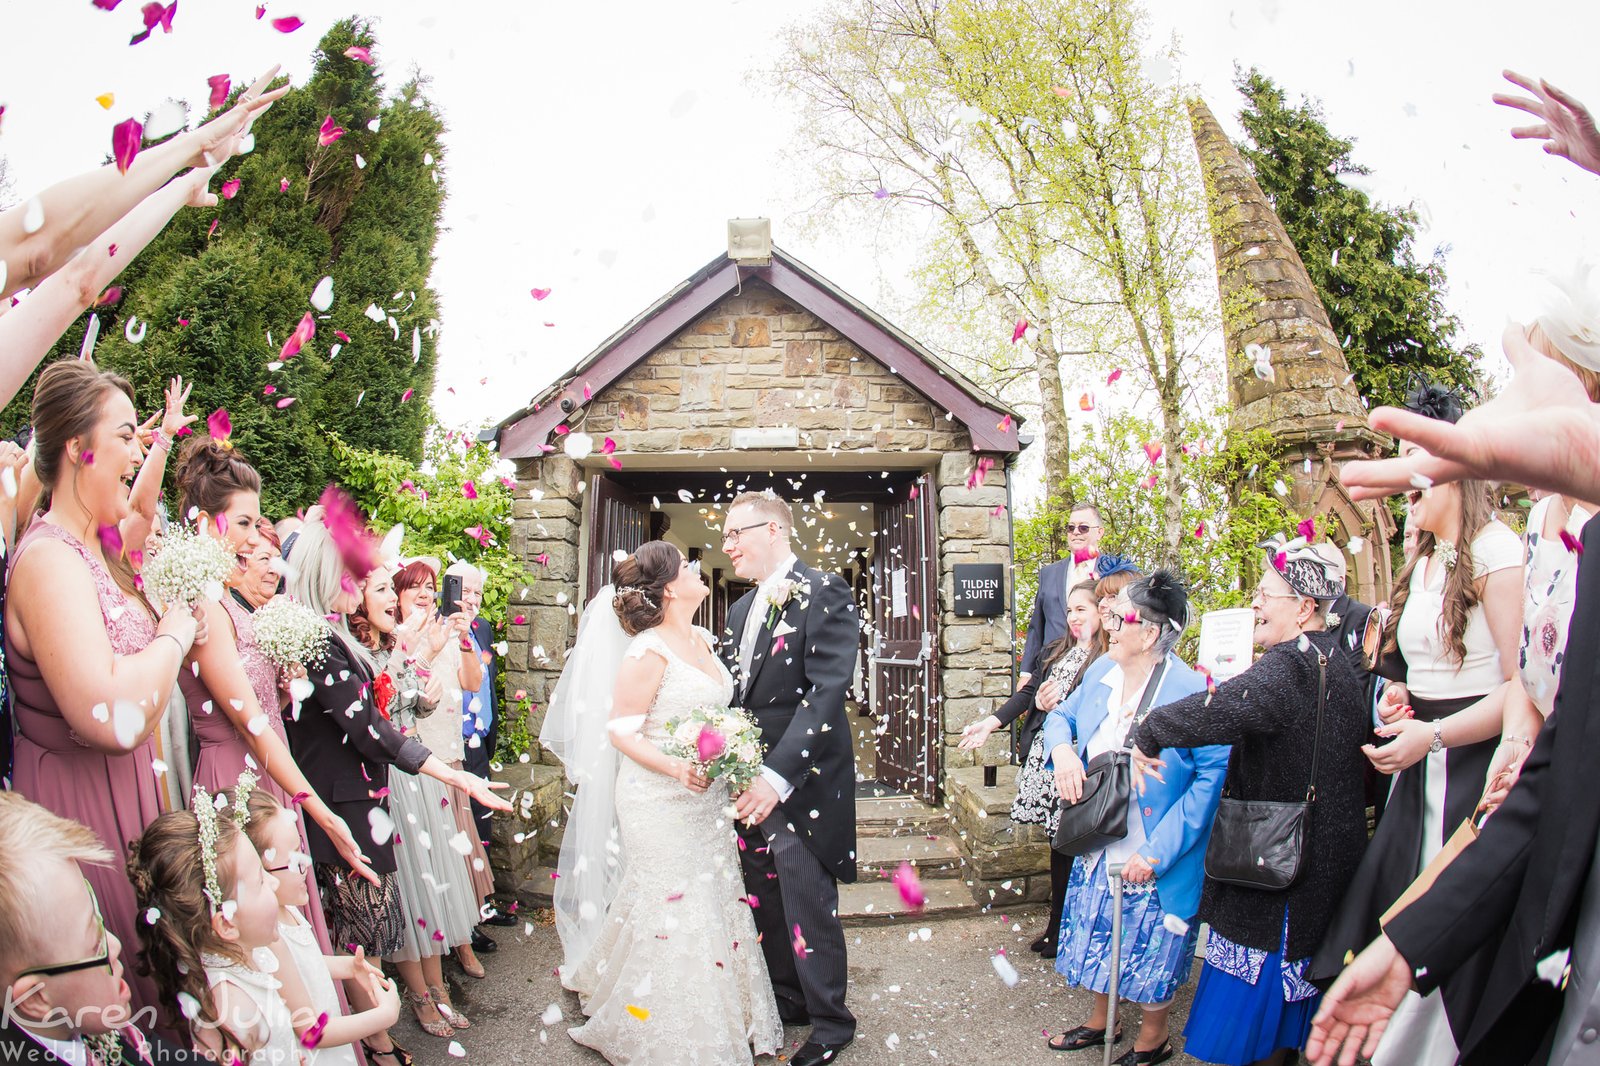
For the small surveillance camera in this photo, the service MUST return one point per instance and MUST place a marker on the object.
(567, 406)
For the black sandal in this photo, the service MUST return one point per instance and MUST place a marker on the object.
(396, 1052)
(1147, 1058)
(1080, 1038)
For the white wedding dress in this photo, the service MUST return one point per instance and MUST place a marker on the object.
(676, 974)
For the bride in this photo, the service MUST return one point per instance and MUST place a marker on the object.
(658, 938)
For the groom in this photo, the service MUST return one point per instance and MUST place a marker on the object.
(791, 647)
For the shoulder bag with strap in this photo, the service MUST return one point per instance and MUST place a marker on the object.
(1261, 843)
(1100, 816)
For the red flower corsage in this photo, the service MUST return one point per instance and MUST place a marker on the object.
(383, 693)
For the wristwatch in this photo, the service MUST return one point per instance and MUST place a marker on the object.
(1438, 738)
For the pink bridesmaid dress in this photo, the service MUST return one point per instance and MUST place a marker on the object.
(115, 795)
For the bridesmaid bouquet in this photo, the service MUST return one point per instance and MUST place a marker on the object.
(290, 634)
(188, 568)
(722, 741)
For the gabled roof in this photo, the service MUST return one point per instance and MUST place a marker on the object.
(522, 434)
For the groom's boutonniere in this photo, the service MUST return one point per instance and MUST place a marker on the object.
(778, 598)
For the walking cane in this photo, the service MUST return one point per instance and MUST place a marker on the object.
(1114, 872)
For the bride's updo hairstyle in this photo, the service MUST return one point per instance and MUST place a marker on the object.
(640, 580)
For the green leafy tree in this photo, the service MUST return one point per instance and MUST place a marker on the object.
(1229, 506)
(216, 304)
(1385, 305)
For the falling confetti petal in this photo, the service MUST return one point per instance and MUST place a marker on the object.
(1307, 528)
(134, 330)
(296, 340)
(329, 132)
(287, 25)
(799, 942)
(219, 424)
(404, 396)
(578, 445)
(1086, 402)
(322, 296)
(359, 54)
(638, 1012)
(1018, 330)
(1571, 543)
(1006, 971)
(125, 139)
(910, 886)
(1421, 481)
(230, 188)
(538, 294)
(1152, 452)
(106, 100)
(285, 402)
(220, 84)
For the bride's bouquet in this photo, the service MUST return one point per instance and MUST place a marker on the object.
(724, 743)
(290, 634)
(187, 569)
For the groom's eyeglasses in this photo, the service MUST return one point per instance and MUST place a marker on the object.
(731, 536)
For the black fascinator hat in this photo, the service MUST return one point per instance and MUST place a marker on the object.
(1432, 400)
(1163, 596)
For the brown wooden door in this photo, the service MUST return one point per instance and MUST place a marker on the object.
(618, 520)
(906, 642)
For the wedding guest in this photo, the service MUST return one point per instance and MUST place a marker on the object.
(345, 746)
(1456, 621)
(1037, 802)
(1168, 825)
(210, 918)
(1519, 892)
(1296, 720)
(435, 892)
(442, 657)
(67, 1001)
(1049, 621)
(1565, 126)
(305, 969)
(91, 668)
(480, 721)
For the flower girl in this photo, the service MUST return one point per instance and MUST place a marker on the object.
(306, 974)
(208, 919)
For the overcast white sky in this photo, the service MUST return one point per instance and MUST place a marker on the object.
(597, 149)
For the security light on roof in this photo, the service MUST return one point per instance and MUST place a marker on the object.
(750, 241)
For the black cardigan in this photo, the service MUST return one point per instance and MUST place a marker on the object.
(345, 747)
(1268, 714)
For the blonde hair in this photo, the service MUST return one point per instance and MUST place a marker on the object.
(30, 837)
(767, 506)
(1545, 345)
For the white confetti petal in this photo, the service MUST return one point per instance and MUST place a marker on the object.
(382, 826)
(1006, 971)
(33, 216)
(322, 295)
(552, 1014)
(375, 313)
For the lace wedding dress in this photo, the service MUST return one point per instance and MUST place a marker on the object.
(676, 975)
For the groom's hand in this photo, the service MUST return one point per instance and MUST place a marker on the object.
(756, 802)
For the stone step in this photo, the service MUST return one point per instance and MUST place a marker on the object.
(538, 890)
(878, 902)
(935, 856)
(893, 816)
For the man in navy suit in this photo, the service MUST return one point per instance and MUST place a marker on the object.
(1049, 621)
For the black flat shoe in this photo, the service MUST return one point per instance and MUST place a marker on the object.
(1082, 1037)
(812, 1053)
(501, 918)
(1045, 948)
(482, 944)
(397, 1053)
(1146, 1058)
(1040, 941)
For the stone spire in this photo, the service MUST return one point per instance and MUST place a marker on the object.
(1310, 405)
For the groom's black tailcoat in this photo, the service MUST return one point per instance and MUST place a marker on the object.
(796, 694)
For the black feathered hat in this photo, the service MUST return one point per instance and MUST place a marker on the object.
(1432, 400)
(1163, 594)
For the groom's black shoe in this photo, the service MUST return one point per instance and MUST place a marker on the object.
(812, 1053)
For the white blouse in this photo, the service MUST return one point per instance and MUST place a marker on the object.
(1551, 587)
(1113, 734)
(1431, 672)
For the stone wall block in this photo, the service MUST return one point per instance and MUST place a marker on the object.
(752, 332)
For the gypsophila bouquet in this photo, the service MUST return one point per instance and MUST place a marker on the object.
(289, 633)
(722, 741)
(188, 569)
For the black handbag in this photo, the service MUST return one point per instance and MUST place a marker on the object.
(1100, 816)
(1261, 844)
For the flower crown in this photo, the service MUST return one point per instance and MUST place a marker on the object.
(623, 590)
(214, 806)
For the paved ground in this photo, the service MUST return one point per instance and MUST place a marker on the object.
(919, 1000)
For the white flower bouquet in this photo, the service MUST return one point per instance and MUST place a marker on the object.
(289, 633)
(724, 743)
(187, 569)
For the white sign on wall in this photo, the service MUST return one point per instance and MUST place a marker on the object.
(897, 593)
(1227, 642)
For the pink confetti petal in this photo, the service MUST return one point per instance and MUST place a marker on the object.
(261, 9)
(1111, 378)
(1020, 328)
(347, 528)
(220, 84)
(1571, 543)
(219, 424)
(608, 447)
(329, 132)
(110, 297)
(799, 942)
(287, 24)
(212, 229)
(469, 490)
(269, 390)
(1152, 451)
(1280, 560)
(111, 540)
(404, 396)
(519, 620)
(283, 184)
(538, 294)
(1200, 530)
(359, 54)
(1004, 425)
(106, 5)
(154, 15)
(313, 1034)
(125, 140)
(1307, 529)
(230, 188)
(303, 332)
(910, 886)
(285, 402)
(1086, 402)
(342, 335)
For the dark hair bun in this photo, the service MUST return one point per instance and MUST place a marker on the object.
(640, 581)
(1162, 593)
(210, 473)
(1432, 400)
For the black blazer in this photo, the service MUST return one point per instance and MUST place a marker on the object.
(18, 1046)
(796, 695)
(1049, 621)
(1514, 892)
(345, 747)
(484, 632)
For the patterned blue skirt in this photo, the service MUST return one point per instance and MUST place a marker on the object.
(1234, 1022)
(1155, 961)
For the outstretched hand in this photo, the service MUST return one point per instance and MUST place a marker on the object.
(1542, 432)
(1358, 1007)
(1566, 126)
(217, 141)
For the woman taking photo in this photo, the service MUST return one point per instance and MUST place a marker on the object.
(345, 743)
(1167, 826)
(91, 668)
(1452, 638)
(1253, 1003)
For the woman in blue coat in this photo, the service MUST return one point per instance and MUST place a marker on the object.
(1168, 826)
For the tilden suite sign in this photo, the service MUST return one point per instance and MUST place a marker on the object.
(980, 589)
